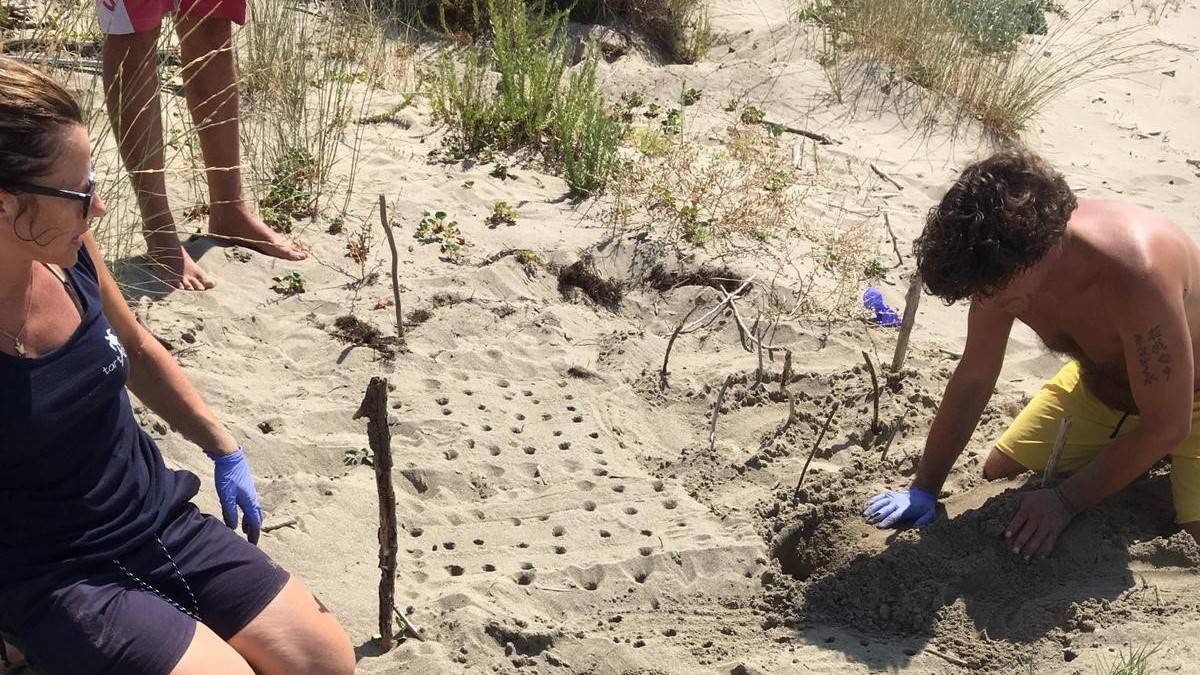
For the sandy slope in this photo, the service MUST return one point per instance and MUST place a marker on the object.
(559, 520)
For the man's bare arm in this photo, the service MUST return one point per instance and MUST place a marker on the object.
(967, 393)
(1158, 359)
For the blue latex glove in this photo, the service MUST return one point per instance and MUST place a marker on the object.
(884, 315)
(895, 508)
(235, 488)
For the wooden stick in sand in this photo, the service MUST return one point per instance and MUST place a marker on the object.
(820, 437)
(712, 425)
(662, 376)
(387, 229)
(1056, 452)
(911, 300)
(374, 408)
(874, 396)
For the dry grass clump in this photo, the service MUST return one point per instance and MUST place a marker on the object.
(721, 198)
(970, 62)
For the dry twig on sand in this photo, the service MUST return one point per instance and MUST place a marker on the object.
(387, 229)
(374, 408)
(817, 444)
(715, 311)
(712, 425)
(1056, 452)
(911, 300)
(874, 398)
(887, 223)
(662, 375)
(879, 172)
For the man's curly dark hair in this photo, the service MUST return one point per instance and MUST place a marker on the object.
(1000, 217)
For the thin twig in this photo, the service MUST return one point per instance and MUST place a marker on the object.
(290, 522)
(820, 138)
(662, 376)
(786, 377)
(953, 660)
(881, 174)
(911, 300)
(887, 222)
(758, 382)
(712, 314)
(897, 429)
(387, 229)
(1056, 452)
(817, 444)
(874, 397)
(410, 629)
(712, 425)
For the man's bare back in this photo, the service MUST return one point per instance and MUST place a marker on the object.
(1107, 246)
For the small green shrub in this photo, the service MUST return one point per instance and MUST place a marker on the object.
(358, 457)
(438, 228)
(289, 284)
(502, 214)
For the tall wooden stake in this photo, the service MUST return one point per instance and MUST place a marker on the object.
(911, 300)
(387, 229)
(374, 408)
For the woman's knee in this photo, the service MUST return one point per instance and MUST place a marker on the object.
(295, 633)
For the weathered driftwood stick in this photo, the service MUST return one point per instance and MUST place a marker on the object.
(387, 229)
(899, 429)
(817, 444)
(712, 314)
(374, 408)
(911, 300)
(408, 628)
(712, 425)
(1056, 452)
(887, 222)
(879, 172)
(874, 396)
(662, 376)
(820, 138)
(271, 527)
(786, 377)
(758, 380)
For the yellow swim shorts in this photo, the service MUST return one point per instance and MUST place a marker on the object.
(1093, 426)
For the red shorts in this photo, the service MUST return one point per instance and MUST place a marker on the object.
(122, 17)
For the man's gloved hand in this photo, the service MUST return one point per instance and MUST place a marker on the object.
(895, 508)
(235, 488)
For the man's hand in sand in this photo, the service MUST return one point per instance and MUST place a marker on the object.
(1042, 517)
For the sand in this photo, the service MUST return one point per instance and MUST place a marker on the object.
(561, 513)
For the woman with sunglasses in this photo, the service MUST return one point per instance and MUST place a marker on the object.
(105, 565)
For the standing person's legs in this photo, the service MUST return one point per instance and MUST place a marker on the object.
(130, 66)
(210, 85)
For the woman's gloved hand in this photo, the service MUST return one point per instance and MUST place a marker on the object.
(891, 509)
(235, 488)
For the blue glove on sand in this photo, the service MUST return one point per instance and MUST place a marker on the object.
(235, 488)
(895, 508)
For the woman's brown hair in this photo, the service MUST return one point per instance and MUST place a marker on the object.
(33, 110)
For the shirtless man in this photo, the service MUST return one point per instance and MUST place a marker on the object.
(131, 29)
(1109, 284)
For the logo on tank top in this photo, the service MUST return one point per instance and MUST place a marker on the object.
(115, 343)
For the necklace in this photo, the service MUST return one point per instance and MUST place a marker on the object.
(18, 339)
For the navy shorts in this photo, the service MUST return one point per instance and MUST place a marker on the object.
(137, 614)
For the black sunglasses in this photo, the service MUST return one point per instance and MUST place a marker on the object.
(85, 197)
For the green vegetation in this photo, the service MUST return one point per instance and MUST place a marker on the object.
(528, 106)
(438, 228)
(289, 284)
(1133, 662)
(358, 457)
(967, 58)
(875, 270)
(502, 214)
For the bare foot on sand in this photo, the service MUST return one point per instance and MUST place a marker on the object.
(170, 262)
(236, 224)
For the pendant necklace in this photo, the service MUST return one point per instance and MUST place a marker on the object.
(18, 339)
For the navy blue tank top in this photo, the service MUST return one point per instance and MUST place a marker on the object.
(80, 482)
